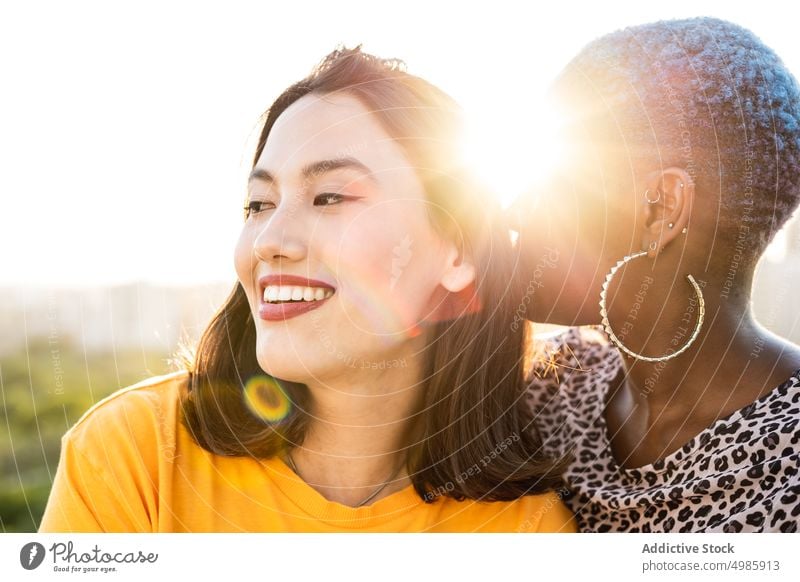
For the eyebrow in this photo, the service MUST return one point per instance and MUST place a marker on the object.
(317, 168)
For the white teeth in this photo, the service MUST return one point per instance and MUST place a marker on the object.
(276, 293)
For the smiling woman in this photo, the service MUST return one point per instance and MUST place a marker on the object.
(365, 373)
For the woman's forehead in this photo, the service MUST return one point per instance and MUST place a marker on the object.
(324, 127)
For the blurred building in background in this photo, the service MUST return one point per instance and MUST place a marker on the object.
(140, 315)
(776, 300)
(151, 317)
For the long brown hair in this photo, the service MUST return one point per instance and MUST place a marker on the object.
(474, 435)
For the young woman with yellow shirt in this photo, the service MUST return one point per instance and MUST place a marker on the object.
(365, 373)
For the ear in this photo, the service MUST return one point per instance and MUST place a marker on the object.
(665, 208)
(456, 295)
(459, 270)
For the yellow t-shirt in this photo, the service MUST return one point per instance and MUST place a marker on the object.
(129, 465)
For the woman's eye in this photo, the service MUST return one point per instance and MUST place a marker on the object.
(326, 199)
(329, 199)
(254, 207)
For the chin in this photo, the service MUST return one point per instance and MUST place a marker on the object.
(289, 376)
(290, 370)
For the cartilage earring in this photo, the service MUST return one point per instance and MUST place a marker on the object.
(647, 197)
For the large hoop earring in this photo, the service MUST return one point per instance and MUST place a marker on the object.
(701, 312)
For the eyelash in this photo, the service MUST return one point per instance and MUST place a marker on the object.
(254, 206)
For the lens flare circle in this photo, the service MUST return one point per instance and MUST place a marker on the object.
(266, 399)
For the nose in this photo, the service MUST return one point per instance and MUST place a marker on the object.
(282, 237)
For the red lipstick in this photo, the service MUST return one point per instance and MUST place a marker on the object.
(286, 310)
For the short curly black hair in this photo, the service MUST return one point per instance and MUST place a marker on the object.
(706, 95)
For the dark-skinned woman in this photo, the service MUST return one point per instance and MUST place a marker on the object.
(682, 161)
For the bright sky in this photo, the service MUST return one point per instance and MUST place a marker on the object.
(124, 127)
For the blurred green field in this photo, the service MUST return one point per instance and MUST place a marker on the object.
(44, 391)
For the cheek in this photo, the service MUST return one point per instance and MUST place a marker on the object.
(363, 253)
(391, 255)
(243, 260)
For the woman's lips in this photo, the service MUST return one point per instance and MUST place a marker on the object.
(287, 310)
(284, 279)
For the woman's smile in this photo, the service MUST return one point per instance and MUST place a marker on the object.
(287, 296)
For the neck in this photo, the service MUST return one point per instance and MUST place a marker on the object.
(712, 370)
(659, 406)
(357, 437)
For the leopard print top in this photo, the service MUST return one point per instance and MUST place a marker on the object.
(738, 475)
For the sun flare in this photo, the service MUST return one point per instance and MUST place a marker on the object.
(514, 148)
